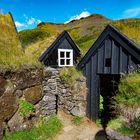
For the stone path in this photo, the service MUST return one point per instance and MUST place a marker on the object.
(86, 131)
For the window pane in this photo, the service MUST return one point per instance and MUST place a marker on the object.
(68, 62)
(62, 61)
(62, 54)
(108, 62)
(68, 54)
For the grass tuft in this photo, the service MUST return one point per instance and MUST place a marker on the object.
(77, 120)
(26, 109)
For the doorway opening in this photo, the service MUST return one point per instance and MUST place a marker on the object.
(108, 89)
(56, 103)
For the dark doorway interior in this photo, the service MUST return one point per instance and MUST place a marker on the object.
(56, 103)
(108, 88)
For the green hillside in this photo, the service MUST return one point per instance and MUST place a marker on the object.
(84, 32)
(34, 41)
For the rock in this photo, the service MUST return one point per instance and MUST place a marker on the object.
(113, 135)
(63, 91)
(50, 70)
(46, 89)
(53, 87)
(51, 81)
(33, 94)
(49, 98)
(10, 87)
(47, 73)
(26, 78)
(8, 106)
(50, 107)
(17, 123)
(18, 93)
(79, 110)
(62, 99)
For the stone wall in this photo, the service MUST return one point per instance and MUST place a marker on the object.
(25, 83)
(44, 89)
(58, 95)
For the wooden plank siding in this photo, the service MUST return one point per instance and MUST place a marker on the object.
(115, 58)
(120, 58)
(123, 58)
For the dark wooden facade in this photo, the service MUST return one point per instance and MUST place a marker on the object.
(63, 41)
(112, 54)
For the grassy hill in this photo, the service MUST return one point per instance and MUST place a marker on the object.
(34, 41)
(84, 32)
(10, 47)
(12, 53)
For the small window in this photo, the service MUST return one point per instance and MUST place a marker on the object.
(68, 62)
(65, 57)
(62, 61)
(68, 54)
(108, 62)
(62, 54)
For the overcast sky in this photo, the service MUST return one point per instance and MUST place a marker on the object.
(28, 13)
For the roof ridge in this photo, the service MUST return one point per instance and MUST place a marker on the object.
(108, 31)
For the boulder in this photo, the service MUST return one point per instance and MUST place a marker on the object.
(26, 78)
(79, 110)
(8, 106)
(17, 123)
(33, 94)
(114, 135)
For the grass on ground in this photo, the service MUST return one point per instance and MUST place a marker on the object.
(43, 132)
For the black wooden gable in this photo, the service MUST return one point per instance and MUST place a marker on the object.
(112, 55)
(63, 41)
(118, 38)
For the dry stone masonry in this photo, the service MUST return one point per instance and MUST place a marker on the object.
(58, 95)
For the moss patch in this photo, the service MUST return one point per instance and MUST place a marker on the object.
(69, 76)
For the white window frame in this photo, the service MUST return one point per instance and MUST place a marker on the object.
(59, 57)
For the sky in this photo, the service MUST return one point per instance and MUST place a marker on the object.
(28, 13)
